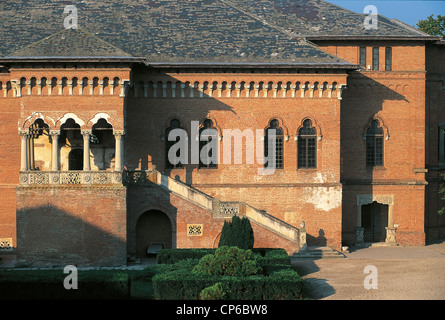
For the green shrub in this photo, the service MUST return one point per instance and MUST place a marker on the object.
(237, 233)
(273, 256)
(228, 261)
(169, 256)
(215, 292)
(183, 285)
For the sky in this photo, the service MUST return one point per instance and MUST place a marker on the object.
(408, 11)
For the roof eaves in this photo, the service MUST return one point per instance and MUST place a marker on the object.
(359, 37)
(314, 65)
(67, 58)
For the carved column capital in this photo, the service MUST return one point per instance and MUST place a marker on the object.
(54, 133)
(118, 132)
(86, 133)
(24, 133)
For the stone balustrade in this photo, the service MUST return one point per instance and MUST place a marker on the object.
(51, 178)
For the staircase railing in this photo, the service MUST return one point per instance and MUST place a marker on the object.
(220, 209)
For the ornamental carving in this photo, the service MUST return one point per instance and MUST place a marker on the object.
(364, 199)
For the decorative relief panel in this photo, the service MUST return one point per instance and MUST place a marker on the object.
(229, 209)
(6, 245)
(194, 229)
(363, 199)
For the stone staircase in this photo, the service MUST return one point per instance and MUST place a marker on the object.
(318, 252)
(221, 209)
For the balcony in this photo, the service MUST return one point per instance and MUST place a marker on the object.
(84, 178)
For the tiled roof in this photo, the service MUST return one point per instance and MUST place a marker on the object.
(180, 31)
(320, 18)
(70, 43)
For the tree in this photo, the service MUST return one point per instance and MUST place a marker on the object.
(237, 233)
(433, 26)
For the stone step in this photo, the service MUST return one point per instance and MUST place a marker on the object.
(318, 252)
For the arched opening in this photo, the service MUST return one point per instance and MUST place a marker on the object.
(171, 163)
(374, 222)
(208, 145)
(374, 145)
(274, 132)
(39, 145)
(102, 145)
(307, 145)
(153, 228)
(71, 146)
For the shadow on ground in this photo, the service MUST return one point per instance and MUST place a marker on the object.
(313, 288)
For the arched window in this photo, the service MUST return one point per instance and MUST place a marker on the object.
(374, 145)
(102, 145)
(174, 124)
(307, 146)
(208, 145)
(276, 133)
(38, 136)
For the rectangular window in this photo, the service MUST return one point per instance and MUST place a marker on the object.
(374, 151)
(375, 58)
(307, 152)
(363, 56)
(279, 158)
(388, 59)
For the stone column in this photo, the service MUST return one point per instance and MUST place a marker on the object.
(173, 90)
(70, 87)
(91, 86)
(359, 230)
(391, 230)
(86, 150)
(119, 154)
(24, 150)
(60, 85)
(55, 150)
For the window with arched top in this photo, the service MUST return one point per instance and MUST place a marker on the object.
(169, 163)
(374, 144)
(274, 134)
(208, 145)
(307, 145)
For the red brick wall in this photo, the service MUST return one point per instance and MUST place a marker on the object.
(397, 99)
(402, 100)
(290, 194)
(77, 226)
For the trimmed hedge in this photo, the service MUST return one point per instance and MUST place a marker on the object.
(170, 256)
(278, 281)
(265, 256)
(284, 284)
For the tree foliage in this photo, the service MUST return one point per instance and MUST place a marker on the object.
(237, 233)
(433, 26)
(228, 261)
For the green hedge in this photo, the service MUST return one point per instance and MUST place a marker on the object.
(284, 284)
(265, 256)
(170, 256)
(277, 281)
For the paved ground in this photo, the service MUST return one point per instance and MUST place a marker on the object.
(403, 273)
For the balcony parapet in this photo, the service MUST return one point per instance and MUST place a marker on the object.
(85, 178)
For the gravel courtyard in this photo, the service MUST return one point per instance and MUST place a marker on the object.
(402, 273)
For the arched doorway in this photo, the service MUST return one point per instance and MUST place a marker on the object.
(374, 222)
(152, 227)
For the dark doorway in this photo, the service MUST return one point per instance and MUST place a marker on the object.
(75, 159)
(152, 228)
(374, 221)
